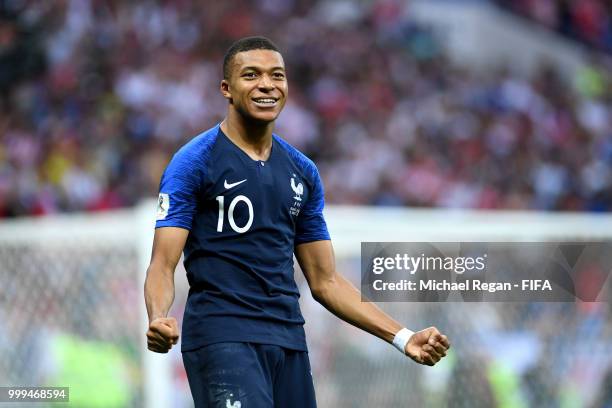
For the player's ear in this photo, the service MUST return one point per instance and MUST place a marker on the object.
(225, 90)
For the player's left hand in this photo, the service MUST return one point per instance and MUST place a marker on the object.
(427, 346)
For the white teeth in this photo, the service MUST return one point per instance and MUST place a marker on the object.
(265, 100)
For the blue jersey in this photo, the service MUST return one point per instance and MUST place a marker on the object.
(245, 217)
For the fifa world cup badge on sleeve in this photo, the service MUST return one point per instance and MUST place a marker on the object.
(163, 205)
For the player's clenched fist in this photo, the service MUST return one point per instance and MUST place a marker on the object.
(427, 346)
(162, 334)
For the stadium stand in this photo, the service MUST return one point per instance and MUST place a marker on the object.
(588, 21)
(102, 96)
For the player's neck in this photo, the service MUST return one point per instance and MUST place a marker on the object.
(254, 139)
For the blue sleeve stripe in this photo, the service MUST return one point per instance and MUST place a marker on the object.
(304, 239)
(173, 223)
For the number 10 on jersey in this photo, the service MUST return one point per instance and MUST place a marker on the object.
(230, 213)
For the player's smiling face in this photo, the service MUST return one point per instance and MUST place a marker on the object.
(257, 87)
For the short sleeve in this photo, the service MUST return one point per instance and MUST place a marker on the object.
(178, 192)
(311, 224)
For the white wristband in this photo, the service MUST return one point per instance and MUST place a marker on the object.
(401, 339)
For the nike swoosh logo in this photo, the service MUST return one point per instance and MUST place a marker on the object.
(230, 185)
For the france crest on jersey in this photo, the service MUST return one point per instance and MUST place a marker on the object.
(244, 216)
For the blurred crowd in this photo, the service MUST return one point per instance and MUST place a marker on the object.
(96, 95)
(589, 21)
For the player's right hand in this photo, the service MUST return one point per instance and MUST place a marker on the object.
(162, 334)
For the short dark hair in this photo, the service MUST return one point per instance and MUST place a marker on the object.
(242, 45)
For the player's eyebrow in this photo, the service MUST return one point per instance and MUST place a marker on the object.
(258, 68)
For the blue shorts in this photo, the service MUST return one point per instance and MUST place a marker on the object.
(249, 375)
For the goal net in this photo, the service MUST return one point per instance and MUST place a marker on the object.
(72, 305)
